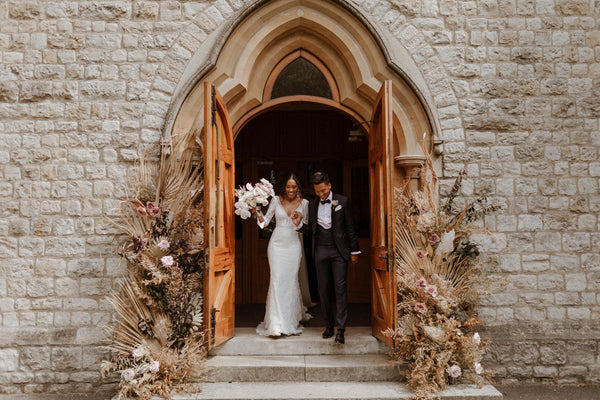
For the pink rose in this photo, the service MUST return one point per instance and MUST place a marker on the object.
(163, 245)
(420, 308)
(152, 209)
(141, 210)
(431, 290)
(421, 254)
(433, 239)
(422, 283)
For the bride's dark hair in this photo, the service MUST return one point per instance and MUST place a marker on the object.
(286, 178)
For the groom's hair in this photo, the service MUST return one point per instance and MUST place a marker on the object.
(319, 177)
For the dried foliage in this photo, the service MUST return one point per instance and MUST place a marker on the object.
(438, 288)
(157, 337)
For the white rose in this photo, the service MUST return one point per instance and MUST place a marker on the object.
(246, 197)
(454, 371)
(137, 354)
(163, 245)
(257, 192)
(167, 261)
(476, 338)
(154, 366)
(128, 375)
(245, 214)
(266, 183)
(242, 205)
(447, 243)
(478, 368)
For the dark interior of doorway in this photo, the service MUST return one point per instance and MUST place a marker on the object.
(302, 138)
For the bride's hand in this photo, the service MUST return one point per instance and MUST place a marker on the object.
(258, 212)
(296, 218)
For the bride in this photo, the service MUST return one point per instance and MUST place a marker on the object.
(285, 308)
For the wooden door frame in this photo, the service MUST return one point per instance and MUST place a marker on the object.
(279, 102)
(383, 281)
(219, 175)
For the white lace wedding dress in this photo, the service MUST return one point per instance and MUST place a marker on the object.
(285, 308)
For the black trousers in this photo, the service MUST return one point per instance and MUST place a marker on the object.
(332, 271)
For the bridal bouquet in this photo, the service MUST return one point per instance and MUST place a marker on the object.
(251, 196)
(439, 283)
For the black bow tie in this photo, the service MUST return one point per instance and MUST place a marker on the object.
(325, 201)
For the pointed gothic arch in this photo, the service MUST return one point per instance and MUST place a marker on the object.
(241, 58)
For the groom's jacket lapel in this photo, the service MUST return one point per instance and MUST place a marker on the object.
(331, 210)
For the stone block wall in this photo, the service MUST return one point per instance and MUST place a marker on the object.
(84, 84)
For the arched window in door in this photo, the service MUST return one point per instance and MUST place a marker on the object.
(301, 74)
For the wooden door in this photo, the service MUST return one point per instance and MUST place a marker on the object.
(356, 187)
(383, 277)
(219, 230)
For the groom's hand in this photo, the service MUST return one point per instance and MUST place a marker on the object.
(354, 259)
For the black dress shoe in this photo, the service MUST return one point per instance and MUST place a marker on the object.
(339, 338)
(327, 333)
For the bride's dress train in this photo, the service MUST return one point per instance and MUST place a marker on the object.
(284, 308)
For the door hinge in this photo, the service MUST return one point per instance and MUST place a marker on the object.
(390, 260)
(213, 323)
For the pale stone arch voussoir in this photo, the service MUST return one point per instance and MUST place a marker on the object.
(237, 48)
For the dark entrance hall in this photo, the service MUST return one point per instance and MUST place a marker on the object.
(302, 138)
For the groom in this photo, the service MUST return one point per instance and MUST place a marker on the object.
(334, 243)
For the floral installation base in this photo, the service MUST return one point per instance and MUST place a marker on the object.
(157, 335)
(439, 284)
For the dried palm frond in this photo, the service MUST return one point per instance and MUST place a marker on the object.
(430, 186)
(145, 182)
(180, 179)
(131, 222)
(131, 313)
(455, 270)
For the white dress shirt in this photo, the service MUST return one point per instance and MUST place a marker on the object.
(324, 213)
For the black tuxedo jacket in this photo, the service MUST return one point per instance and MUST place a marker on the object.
(342, 224)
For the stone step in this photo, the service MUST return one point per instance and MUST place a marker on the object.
(329, 391)
(247, 342)
(313, 368)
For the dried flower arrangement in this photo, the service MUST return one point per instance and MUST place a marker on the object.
(157, 337)
(439, 284)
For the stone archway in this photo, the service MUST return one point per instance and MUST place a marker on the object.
(404, 48)
(330, 32)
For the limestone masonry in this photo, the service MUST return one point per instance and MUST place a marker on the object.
(84, 84)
